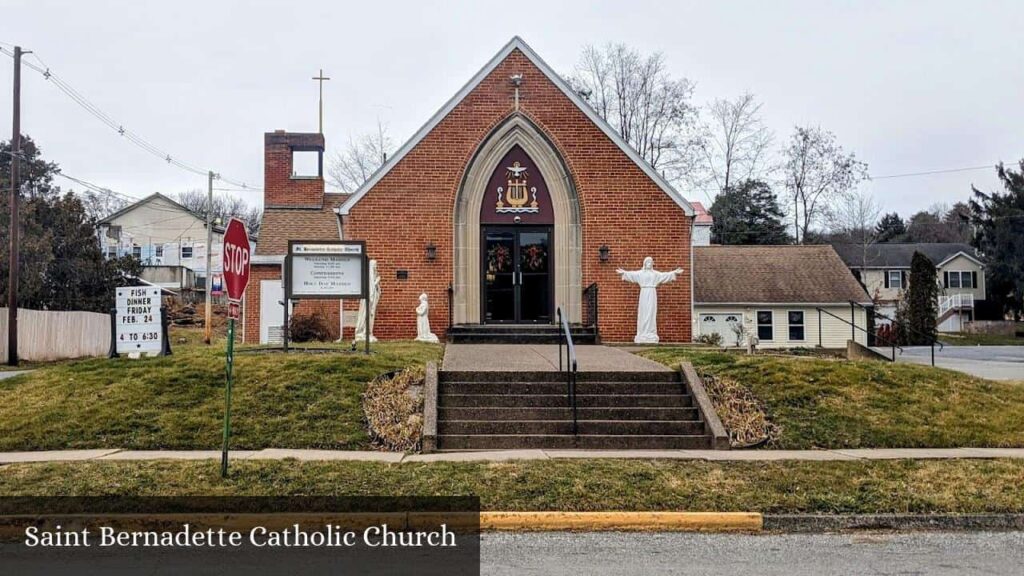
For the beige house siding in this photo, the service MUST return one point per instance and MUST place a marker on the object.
(834, 333)
(874, 282)
(963, 264)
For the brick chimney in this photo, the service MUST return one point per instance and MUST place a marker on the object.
(283, 185)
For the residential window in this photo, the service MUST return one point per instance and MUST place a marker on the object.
(111, 251)
(960, 279)
(137, 251)
(159, 250)
(796, 324)
(896, 279)
(764, 325)
(186, 252)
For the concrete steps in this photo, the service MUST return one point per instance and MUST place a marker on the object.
(615, 411)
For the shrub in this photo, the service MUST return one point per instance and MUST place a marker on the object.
(309, 328)
(743, 414)
(714, 339)
(393, 406)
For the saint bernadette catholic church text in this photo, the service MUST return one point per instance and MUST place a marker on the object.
(188, 536)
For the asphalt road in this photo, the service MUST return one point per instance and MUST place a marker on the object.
(993, 362)
(790, 554)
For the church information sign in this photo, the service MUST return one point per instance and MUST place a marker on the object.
(326, 270)
(137, 321)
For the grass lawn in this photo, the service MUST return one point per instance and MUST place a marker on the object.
(828, 403)
(949, 486)
(965, 339)
(296, 400)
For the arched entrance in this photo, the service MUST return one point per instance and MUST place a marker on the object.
(517, 250)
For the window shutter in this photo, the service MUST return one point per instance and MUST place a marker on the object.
(903, 279)
(945, 279)
(886, 279)
(974, 279)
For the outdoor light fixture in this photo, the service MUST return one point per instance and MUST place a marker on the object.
(431, 251)
(602, 252)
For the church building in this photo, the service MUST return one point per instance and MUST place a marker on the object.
(513, 199)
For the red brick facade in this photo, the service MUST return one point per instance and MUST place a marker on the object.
(280, 186)
(411, 206)
(621, 206)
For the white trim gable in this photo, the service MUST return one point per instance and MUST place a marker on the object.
(960, 253)
(514, 44)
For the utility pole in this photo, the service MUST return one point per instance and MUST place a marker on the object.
(208, 324)
(12, 279)
(321, 79)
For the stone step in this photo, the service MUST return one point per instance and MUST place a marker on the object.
(495, 376)
(560, 400)
(563, 413)
(561, 388)
(585, 427)
(565, 441)
(518, 328)
(517, 338)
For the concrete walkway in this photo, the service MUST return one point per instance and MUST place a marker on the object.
(541, 358)
(506, 455)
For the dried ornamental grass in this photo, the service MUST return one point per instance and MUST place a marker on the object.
(393, 407)
(742, 414)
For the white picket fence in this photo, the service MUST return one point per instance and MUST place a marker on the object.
(46, 335)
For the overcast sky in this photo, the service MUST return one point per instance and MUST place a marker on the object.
(908, 86)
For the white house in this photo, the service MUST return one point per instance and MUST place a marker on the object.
(168, 238)
(785, 296)
(884, 269)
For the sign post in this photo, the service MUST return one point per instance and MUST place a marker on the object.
(236, 258)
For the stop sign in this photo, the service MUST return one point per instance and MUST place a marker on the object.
(236, 257)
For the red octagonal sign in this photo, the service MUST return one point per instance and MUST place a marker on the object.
(237, 255)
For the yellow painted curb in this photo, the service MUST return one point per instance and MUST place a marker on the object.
(631, 521)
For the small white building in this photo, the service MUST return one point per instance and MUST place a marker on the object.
(784, 296)
(702, 223)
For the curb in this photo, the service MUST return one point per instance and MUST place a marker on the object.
(622, 521)
(817, 523)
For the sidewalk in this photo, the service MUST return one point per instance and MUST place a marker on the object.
(505, 455)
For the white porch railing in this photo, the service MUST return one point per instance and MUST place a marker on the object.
(955, 302)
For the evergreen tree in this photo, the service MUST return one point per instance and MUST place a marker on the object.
(922, 300)
(999, 221)
(748, 214)
(61, 264)
(890, 228)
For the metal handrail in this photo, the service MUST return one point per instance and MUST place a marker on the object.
(451, 297)
(934, 339)
(570, 365)
(591, 306)
(895, 345)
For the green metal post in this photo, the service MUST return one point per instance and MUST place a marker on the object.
(227, 398)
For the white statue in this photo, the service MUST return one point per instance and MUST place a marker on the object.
(361, 321)
(647, 311)
(423, 333)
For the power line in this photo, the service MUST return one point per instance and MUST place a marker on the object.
(929, 172)
(45, 71)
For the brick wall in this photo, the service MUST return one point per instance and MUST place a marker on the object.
(328, 308)
(620, 206)
(280, 188)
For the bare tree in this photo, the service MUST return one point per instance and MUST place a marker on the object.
(735, 143)
(225, 206)
(854, 220)
(818, 174)
(99, 205)
(360, 158)
(649, 108)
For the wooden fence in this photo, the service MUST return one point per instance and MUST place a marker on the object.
(47, 335)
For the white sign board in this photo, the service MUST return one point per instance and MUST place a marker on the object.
(137, 324)
(326, 270)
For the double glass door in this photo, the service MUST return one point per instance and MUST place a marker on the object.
(517, 274)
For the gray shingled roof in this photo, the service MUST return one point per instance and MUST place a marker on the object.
(896, 255)
(773, 274)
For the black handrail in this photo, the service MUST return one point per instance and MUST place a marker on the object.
(590, 308)
(451, 294)
(894, 344)
(570, 365)
(932, 338)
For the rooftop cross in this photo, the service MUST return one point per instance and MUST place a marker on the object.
(320, 78)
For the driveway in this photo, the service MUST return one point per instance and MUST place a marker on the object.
(992, 362)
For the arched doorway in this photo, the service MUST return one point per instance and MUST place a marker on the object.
(517, 256)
